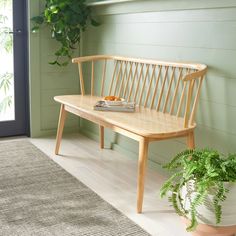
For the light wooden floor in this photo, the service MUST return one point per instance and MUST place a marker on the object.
(113, 177)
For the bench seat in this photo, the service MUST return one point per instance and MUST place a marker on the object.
(144, 122)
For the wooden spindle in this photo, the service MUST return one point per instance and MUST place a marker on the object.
(144, 82)
(168, 90)
(150, 85)
(113, 77)
(92, 79)
(156, 86)
(181, 99)
(182, 96)
(196, 101)
(188, 103)
(103, 77)
(175, 92)
(162, 89)
(81, 78)
(132, 83)
(127, 82)
(117, 77)
(123, 79)
(138, 82)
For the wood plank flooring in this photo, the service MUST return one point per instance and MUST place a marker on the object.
(113, 177)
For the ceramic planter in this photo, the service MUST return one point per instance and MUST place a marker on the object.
(209, 230)
(206, 216)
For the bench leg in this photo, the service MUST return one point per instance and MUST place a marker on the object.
(190, 140)
(60, 127)
(101, 129)
(143, 153)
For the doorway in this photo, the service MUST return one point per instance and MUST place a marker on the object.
(14, 118)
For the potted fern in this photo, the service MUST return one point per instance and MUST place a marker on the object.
(203, 191)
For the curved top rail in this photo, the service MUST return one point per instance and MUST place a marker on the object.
(196, 66)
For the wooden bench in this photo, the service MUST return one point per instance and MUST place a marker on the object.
(166, 94)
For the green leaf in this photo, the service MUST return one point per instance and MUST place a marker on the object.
(65, 63)
(95, 23)
(65, 20)
(169, 184)
(35, 29)
(38, 19)
(54, 9)
(54, 63)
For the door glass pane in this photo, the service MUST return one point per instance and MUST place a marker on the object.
(7, 107)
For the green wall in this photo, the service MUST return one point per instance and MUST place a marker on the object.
(178, 30)
(186, 30)
(47, 81)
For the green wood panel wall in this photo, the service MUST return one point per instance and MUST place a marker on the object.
(198, 31)
(47, 81)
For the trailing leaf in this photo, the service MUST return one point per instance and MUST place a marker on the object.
(197, 201)
(174, 200)
(168, 184)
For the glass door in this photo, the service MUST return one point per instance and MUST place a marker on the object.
(13, 68)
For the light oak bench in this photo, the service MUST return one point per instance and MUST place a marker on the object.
(166, 94)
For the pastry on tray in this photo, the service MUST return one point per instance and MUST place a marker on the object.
(112, 98)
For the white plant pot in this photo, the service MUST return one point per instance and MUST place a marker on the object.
(206, 213)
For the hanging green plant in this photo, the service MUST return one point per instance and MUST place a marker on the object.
(66, 20)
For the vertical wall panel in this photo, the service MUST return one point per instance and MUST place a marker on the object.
(46, 80)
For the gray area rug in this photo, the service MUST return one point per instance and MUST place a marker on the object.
(38, 197)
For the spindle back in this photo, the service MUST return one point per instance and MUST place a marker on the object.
(167, 87)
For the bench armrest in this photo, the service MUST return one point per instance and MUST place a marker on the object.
(91, 58)
(202, 69)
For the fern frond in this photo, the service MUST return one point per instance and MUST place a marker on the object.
(179, 156)
(174, 200)
(218, 211)
(168, 184)
(193, 222)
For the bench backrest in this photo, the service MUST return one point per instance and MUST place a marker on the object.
(167, 87)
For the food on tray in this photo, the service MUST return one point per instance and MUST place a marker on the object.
(112, 98)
